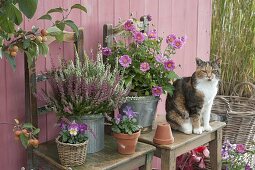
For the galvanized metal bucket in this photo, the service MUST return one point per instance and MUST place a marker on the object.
(146, 107)
(96, 132)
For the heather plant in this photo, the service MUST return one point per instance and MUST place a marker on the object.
(137, 53)
(126, 123)
(86, 88)
(237, 156)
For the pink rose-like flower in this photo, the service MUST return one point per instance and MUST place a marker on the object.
(206, 152)
(169, 65)
(160, 58)
(125, 61)
(157, 91)
(177, 44)
(129, 25)
(240, 148)
(106, 51)
(170, 39)
(152, 34)
(139, 37)
(144, 66)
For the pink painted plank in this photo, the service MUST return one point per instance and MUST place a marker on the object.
(152, 8)
(121, 10)
(137, 8)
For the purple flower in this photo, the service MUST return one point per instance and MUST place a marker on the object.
(73, 128)
(129, 112)
(67, 109)
(138, 36)
(169, 65)
(106, 51)
(160, 58)
(224, 154)
(62, 125)
(184, 38)
(82, 128)
(125, 61)
(157, 91)
(177, 44)
(129, 25)
(240, 148)
(149, 17)
(152, 34)
(117, 118)
(248, 167)
(170, 39)
(144, 66)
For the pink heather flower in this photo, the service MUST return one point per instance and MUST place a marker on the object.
(177, 44)
(106, 51)
(160, 58)
(129, 25)
(144, 66)
(139, 37)
(240, 148)
(125, 61)
(67, 109)
(169, 65)
(170, 39)
(157, 91)
(152, 34)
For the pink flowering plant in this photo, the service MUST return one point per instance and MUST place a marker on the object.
(237, 156)
(126, 123)
(137, 52)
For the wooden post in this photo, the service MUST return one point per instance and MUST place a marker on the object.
(79, 43)
(148, 162)
(107, 35)
(168, 159)
(215, 150)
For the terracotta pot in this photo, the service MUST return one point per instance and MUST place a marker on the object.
(163, 134)
(126, 143)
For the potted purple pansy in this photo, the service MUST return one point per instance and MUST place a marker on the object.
(137, 53)
(72, 143)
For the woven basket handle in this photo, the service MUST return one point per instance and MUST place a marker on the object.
(225, 102)
(238, 86)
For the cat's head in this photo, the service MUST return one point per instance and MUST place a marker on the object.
(208, 70)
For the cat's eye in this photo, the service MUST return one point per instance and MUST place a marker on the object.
(204, 71)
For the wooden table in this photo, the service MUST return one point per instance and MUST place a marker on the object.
(106, 159)
(184, 143)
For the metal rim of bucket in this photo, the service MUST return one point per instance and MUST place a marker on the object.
(142, 98)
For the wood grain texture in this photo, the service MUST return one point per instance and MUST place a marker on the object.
(192, 18)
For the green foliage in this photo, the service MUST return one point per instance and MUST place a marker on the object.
(233, 39)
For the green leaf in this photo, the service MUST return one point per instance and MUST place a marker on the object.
(14, 14)
(27, 125)
(147, 93)
(1, 53)
(59, 37)
(60, 10)
(79, 6)
(26, 43)
(11, 60)
(61, 25)
(28, 7)
(23, 140)
(169, 89)
(33, 50)
(43, 49)
(36, 131)
(29, 59)
(6, 24)
(46, 16)
(54, 30)
(74, 27)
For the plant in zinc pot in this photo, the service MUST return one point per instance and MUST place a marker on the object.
(138, 54)
(126, 130)
(85, 92)
(72, 143)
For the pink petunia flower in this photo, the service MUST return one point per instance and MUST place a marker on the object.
(170, 39)
(240, 148)
(169, 65)
(139, 37)
(129, 25)
(125, 61)
(160, 58)
(157, 91)
(144, 66)
(152, 34)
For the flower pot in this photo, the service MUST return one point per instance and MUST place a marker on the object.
(126, 143)
(146, 107)
(72, 154)
(163, 134)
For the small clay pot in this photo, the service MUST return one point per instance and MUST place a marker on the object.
(126, 143)
(163, 134)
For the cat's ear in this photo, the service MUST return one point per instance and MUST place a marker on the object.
(199, 61)
(218, 61)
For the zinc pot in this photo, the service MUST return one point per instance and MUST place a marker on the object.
(126, 143)
(146, 107)
(72, 154)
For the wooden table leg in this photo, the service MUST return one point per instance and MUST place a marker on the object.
(148, 162)
(215, 151)
(168, 160)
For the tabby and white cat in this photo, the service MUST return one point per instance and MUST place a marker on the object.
(193, 97)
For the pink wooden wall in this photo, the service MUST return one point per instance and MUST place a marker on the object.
(183, 17)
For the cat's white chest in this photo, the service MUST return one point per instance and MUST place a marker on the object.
(209, 89)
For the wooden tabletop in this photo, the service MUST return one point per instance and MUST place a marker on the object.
(180, 138)
(108, 158)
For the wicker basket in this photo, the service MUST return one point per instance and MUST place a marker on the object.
(72, 154)
(240, 115)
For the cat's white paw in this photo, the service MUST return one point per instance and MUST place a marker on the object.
(198, 130)
(187, 131)
(208, 128)
(186, 127)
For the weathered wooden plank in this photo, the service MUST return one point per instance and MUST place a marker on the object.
(215, 147)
